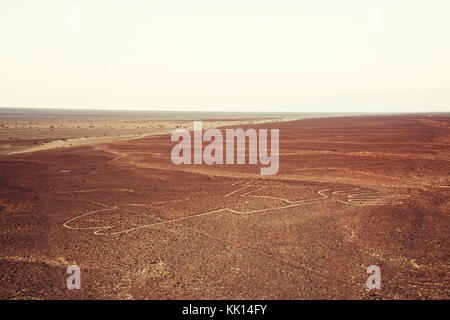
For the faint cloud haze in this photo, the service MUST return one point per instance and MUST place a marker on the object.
(257, 55)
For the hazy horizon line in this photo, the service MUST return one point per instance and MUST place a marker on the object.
(217, 110)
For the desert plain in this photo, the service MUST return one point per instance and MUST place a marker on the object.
(100, 192)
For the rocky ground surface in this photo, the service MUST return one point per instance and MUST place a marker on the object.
(350, 192)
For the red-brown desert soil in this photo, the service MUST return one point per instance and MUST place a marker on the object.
(350, 192)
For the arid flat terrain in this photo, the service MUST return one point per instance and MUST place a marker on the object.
(25, 130)
(351, 192)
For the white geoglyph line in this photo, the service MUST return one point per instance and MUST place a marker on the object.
(84, 215)
(368, 198)
(229, 194)
(97, 233)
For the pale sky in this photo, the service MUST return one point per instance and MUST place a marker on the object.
(229, 55)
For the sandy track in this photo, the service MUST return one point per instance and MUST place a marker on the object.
(163, 128)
